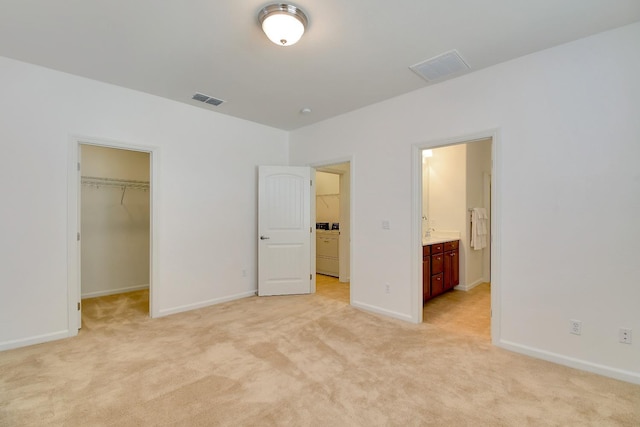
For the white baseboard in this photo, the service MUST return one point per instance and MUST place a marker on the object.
(382, 311)
(202, 304)
(113, 291)
(583, 365)
(37, 339)
(471, 286)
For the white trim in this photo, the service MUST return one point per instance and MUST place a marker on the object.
(37, 339)
(496, 236)
(467, 288)
(347, 159)
(417, 296)
(382, 311)
(73, 222)
(73, 253)
(486, 202)
(215, 301)
(114, 291)
(416, 223)
(607, 371)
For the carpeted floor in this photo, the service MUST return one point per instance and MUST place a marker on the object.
(309, 360)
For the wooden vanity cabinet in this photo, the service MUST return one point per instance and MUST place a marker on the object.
(437, 269)
(440, 268)
(426, 273)
(451, 268)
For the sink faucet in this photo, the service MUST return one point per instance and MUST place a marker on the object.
(427, 232)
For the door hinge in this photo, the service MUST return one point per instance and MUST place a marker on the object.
(310, 183)
(311, 277)
(78, 166)
(78, 306)
(78, 236)
(310, 229)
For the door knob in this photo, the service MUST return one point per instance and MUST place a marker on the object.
(264, 238)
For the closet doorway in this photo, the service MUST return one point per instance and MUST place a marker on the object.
(115, 227)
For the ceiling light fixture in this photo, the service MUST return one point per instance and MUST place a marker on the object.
(284, 24)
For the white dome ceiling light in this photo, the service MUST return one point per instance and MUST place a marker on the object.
(284, 24)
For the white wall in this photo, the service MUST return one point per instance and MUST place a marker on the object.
(327, 197)
(478, 163)
(344, 250)
(447, 196)
(569, 239)
(206, 204)
(114, 226)
(447, 188)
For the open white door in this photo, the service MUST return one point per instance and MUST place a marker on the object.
(284, 230)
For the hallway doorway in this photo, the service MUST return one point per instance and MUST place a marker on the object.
(333, 210)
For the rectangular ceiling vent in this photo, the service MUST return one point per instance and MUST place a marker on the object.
(207, 99)
(437, 68)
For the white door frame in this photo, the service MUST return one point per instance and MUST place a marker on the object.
(328, 164)
(73, 222)
(496, 212)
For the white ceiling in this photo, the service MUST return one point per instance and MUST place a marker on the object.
(354, 53)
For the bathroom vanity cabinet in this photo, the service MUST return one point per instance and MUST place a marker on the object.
(440, 268)
(426, 272)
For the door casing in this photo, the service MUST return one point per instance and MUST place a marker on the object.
(416, 237)
(73, 223)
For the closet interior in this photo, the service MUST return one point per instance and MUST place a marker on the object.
(115, 220)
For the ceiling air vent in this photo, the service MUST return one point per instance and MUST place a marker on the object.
(207, 99)
(437, 68)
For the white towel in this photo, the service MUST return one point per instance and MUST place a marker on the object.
(479, 228)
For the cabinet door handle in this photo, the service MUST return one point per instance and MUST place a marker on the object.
(264, 238)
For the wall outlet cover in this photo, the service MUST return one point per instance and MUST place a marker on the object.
(625, 335)
(575, 327)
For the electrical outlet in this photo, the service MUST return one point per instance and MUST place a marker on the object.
(575, 327)
(244, 272)
(387, 288)
(625, 335)
(385, 224)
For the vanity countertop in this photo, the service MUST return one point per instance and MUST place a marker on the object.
(440, 237)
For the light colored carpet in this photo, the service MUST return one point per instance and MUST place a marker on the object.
(297, 360)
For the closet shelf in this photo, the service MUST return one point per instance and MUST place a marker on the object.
(112, 182)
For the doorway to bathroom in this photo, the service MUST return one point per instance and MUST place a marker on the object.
(455, 227)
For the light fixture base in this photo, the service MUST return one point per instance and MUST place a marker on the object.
(283, 24)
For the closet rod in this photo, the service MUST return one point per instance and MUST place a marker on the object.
(112, 182)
